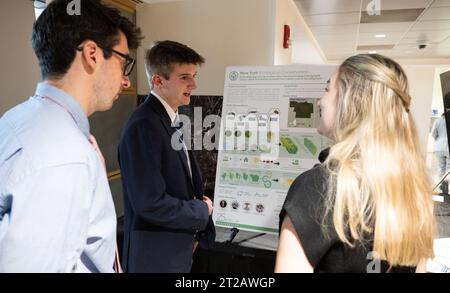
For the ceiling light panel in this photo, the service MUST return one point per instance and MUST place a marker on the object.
(431, 25)
(399, 4)
(398, 15)
(441, 13)
(332, 19)
(384, 27)
(310, 7)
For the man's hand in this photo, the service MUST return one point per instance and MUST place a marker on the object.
(209, 203)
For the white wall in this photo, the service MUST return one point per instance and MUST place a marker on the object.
(421, 84)
(438, 102)
(226, 33)
(19, 69)
(304, 48)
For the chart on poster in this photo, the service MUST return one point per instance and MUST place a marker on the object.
(268, 137)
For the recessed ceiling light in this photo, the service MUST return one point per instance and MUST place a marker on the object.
(380, 36)
(372, 52)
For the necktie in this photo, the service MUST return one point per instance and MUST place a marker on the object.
(93, 141)
(178, 125)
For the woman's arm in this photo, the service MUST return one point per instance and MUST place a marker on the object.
(291, 257)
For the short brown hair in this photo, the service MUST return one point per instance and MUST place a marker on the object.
(164, 54)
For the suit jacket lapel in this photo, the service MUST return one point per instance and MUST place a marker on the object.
(196, 177)
(171, 131)
(165, 120)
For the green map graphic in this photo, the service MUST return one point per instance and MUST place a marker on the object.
(302, 109)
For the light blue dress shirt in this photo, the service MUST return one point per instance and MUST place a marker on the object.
(56, 208)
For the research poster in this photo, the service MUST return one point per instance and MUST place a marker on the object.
(268, 137)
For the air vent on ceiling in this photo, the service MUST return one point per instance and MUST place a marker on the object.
(395, 15)
(375, 47)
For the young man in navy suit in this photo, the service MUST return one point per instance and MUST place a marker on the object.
(166, 213)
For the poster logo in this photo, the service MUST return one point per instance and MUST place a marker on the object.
(234, 75)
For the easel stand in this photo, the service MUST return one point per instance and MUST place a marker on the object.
(233, 232)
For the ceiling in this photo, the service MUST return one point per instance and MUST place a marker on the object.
(156, 1)
(346, 27)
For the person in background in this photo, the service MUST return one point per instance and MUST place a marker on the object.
(56, 208)
(441, 152)
(368, 206)
(166, 211)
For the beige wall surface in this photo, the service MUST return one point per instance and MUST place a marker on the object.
(438, 102)
(303, 48)
(226, 33)
(421, 85)
(19, 69)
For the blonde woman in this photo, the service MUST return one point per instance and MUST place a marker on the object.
(368, 206)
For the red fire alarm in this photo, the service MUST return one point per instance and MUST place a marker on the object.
(286, 36)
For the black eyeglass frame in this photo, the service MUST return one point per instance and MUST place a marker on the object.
(129, 63)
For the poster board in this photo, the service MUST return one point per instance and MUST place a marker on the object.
(268, 137)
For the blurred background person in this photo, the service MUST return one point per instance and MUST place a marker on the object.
(440, 148)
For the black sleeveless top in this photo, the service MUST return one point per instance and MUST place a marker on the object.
(305, 204)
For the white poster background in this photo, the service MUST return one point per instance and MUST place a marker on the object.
(268, 137)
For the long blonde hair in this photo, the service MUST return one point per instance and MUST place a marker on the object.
(380, 184)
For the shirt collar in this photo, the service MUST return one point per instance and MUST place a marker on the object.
(172, 114)
(66, 101)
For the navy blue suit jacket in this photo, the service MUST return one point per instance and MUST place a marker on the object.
(164, 210)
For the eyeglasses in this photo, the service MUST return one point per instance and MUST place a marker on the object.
(129, 63)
